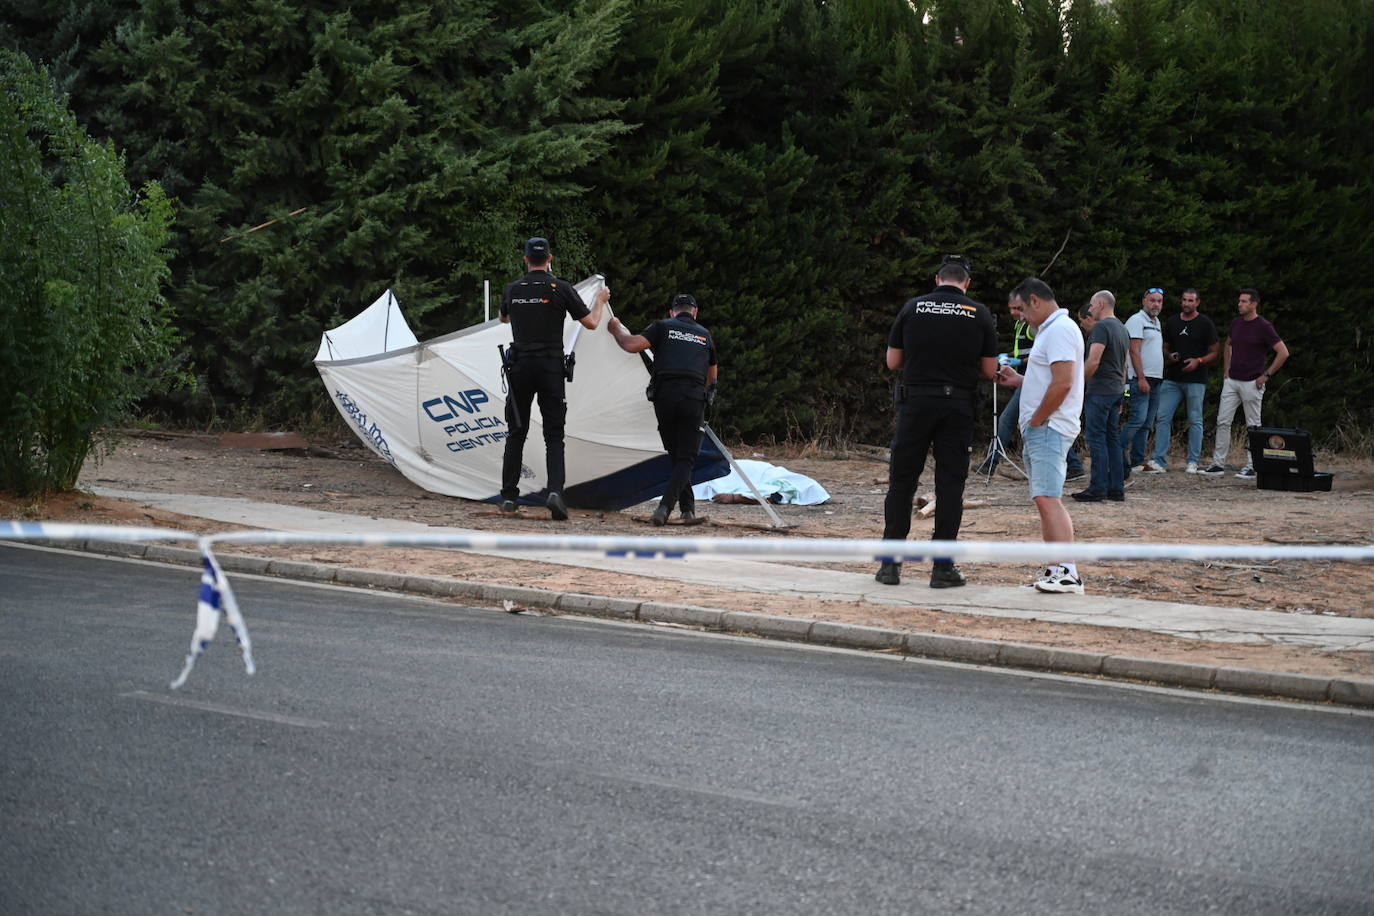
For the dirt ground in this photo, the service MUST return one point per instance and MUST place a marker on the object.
(343, 477)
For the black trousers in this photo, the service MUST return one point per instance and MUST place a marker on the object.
(531, 376)
(926, 422)
(681, 410)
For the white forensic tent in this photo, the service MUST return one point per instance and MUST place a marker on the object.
(436, 410)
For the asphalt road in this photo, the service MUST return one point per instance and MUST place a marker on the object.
(398, 755)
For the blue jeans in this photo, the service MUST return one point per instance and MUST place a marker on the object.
(1008, 421)
(1100, 417)
(1144, 407)
(1171, 394)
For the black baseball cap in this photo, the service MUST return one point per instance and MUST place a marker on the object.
(682, 301)
(956, 259)
(537, 250)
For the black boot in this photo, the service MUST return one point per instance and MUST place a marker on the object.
(889, 573)
(947, 577)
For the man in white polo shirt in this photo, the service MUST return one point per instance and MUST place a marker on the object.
(1051, 403)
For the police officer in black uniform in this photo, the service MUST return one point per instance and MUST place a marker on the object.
(684, 377)
(942, 343)
(534, 307)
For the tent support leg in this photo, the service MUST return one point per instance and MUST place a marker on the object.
(767, 506)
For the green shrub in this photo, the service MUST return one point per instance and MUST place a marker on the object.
(84, 330)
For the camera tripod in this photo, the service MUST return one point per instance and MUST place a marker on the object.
(996, 453)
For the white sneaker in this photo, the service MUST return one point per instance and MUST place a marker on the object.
(1057, 579)
(1191, 468)
(1152, 467)
(1136, 469)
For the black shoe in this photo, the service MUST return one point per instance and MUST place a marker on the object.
(889, 574)
(557, 508)
(660, 516)
(947, 577)
(509, 507)
(1089, 496)
(1116, 496)
(689, 515)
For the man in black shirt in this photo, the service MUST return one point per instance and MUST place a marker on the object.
(534, 307)
(684, 376)
(1190, 346)
(942, 343)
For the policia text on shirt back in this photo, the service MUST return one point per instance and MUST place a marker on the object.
(942, 335)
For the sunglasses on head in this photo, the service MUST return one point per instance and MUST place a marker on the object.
(1154, 289)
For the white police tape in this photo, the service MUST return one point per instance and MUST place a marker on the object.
(811, 548)
(754, 547)
(62, 531)
(217, 599)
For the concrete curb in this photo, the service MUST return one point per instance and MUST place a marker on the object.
(1309, 688)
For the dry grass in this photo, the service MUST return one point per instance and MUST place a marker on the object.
(1353, 436)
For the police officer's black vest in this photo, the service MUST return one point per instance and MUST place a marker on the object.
(536, 304)
(683, 349)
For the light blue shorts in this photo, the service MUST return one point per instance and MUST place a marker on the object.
(1045, 451)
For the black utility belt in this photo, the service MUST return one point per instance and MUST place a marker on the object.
(675, 383)
(537, 349)
(929, 390)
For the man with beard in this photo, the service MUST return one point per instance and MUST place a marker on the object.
(1190, 347)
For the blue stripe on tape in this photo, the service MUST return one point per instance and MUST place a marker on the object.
(647, 554)
(25, 529)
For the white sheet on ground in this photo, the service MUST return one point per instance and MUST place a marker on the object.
(794, 489)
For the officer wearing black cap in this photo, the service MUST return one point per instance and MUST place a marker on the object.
(942, 343)
(684, 377)
(534, 307)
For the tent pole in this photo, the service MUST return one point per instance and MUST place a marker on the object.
(486, 300)
(706, 427)
(767, 507)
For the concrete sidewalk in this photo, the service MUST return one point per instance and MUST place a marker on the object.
(1189, 621)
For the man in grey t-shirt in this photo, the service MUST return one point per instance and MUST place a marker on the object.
(1104, 368)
